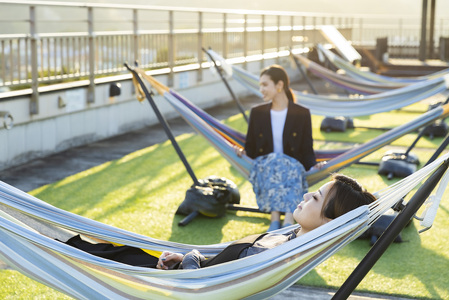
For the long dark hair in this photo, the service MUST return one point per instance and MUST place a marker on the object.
(345, 195)
(278, 73)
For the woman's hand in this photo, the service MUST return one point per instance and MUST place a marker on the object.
(239, 151)
(168, 259)
(319, 165)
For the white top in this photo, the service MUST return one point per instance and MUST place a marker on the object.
(277, 127)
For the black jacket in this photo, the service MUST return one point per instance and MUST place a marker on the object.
(297, 137)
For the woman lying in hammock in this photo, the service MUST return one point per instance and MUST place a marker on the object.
(332, 200)
(335, 198)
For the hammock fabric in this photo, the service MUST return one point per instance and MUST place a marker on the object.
(349, 106)
(356, 73)
(29, 226)
(348, 83)
(217, 134)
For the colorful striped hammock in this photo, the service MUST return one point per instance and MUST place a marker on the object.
(356, 73)
(224, 139)
(347, 106)
(350, 84)
(29, 226)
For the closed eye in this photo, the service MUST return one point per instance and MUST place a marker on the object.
(315, 195)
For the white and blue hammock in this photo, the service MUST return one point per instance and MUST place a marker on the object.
(29, 226)
(356, 73)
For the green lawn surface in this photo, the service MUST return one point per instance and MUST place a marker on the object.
(140, 192)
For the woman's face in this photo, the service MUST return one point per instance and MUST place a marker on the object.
(308, 212)
(268, 88)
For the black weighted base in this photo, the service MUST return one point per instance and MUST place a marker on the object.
(396, 164)
(336, 124)
(437, 129)
(209, 198)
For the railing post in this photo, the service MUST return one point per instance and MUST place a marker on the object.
(278, 38)
(303, 32)
(90, 28)
(171, 48)
(423, 39)
(245, 39)
(262, 43)
(34, 101)
(401, 46)
(361, 32)
(292, 31)
(200, 47)
(432, 29)
(136, 34)
(225, 35)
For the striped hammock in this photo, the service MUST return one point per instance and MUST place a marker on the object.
(224, 139)
(356, 73)
(350, 84)
(29, 226)
(348, 106)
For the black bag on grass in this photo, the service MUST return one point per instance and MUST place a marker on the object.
(210, 197)
(378, 228)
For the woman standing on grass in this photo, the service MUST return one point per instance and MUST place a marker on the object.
(279, 138)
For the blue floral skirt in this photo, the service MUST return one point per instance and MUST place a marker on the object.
(279, 182)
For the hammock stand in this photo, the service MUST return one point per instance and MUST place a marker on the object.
(340, 124)
(393, 164)
(82, 275)
(223, 138)
(225, 81)
(329, 124)
(199, 198)
(219, 70)
(303, 73)
(165, 91)
(355, 73)
(348, 84)
(388, 237)
(350, 106)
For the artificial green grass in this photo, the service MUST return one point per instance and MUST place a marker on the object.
(141, 191)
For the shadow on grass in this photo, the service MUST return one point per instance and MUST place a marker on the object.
(141, 192)
(205, 231)
(401, 262)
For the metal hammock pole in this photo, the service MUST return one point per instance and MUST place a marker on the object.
(164, 125)
(219, 71)
(390, 233)
(439, 150)
(421, 133)
(304, 74)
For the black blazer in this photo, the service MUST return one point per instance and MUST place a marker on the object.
(297, 136)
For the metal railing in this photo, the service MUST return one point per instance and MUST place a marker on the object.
(94, 40)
